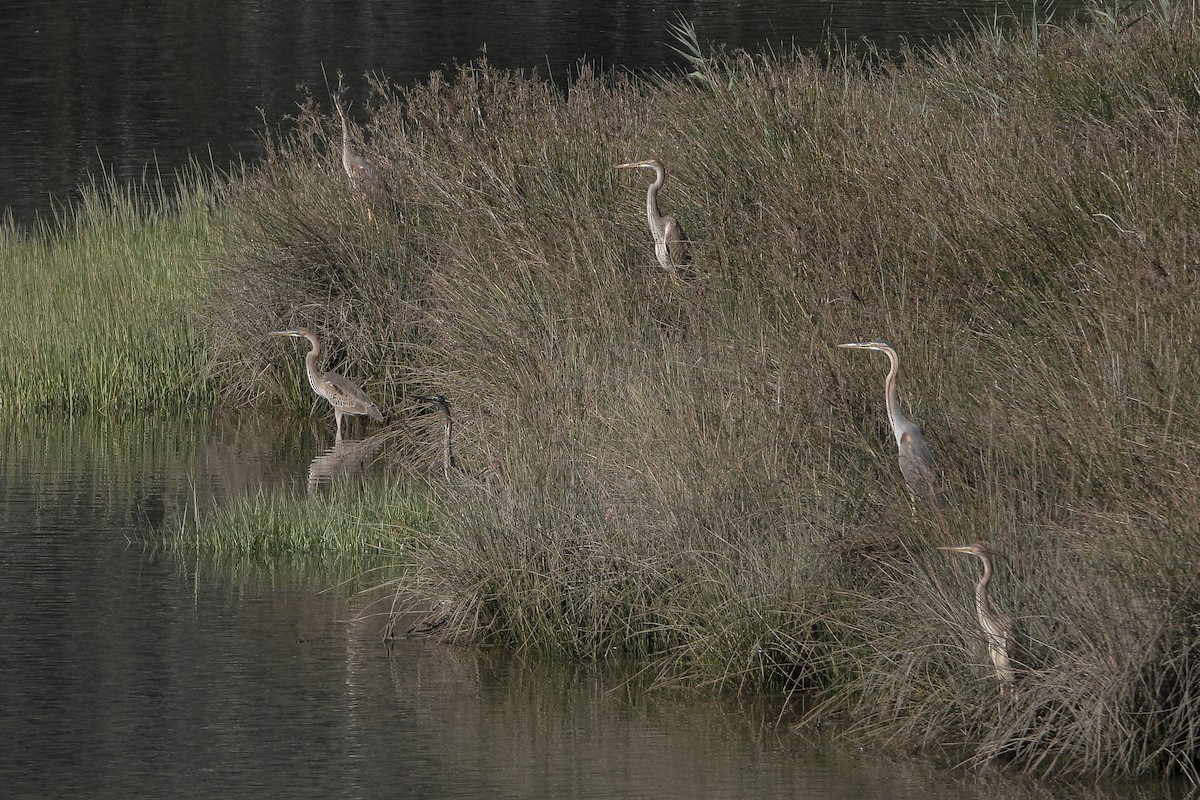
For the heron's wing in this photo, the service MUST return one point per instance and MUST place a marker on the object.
(345, 396)
(366, 178)
(919, 467)
(1001, 650)
(677, 246)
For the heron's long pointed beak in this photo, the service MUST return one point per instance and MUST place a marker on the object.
(854, 345)
(958, 548)
(284, 333)
(633, 165)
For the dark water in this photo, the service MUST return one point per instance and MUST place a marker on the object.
(127, 672)
(136, 88)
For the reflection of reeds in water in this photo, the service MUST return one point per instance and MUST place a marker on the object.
(119, 470)
(347, 457)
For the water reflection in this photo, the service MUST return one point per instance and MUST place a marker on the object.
(347, 457)
(127, 673)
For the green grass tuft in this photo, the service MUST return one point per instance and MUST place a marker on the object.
(350, 520)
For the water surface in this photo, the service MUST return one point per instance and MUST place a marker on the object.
(129, 672)
(136, 89)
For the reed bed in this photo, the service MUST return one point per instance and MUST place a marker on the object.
(690, 471)
(103, 303)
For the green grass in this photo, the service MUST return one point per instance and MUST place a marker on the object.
(103, 311)
(349, 521)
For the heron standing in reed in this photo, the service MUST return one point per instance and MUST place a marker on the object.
(917, 464)
(365, 178)
(342, 393)
(449, 467)
(670, 243)
(997, 626)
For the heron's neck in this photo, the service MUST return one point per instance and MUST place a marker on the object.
(895, 417)
(310, 362)
(346, 154)
(982, 603)
(652, 214)
(447, 441)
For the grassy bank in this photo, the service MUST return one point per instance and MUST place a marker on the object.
(692, 472)
(103, 304)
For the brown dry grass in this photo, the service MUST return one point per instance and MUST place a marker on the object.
(692, 472)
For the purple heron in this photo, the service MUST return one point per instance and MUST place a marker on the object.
(341, 392)
(365, 178)
(917, 464)
(997, 626)
(448, 464)
(670, 243)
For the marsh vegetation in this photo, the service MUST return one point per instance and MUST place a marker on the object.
(690, 471)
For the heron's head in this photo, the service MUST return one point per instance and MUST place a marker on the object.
(299, 333)
(980, 549)
(882, 345)
(432, 398)
(650, 163)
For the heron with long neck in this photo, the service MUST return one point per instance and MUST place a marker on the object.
(670, 243)
(997, 626)
(917, 463)
(448, 463)
(365, 178)
(346, 398)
